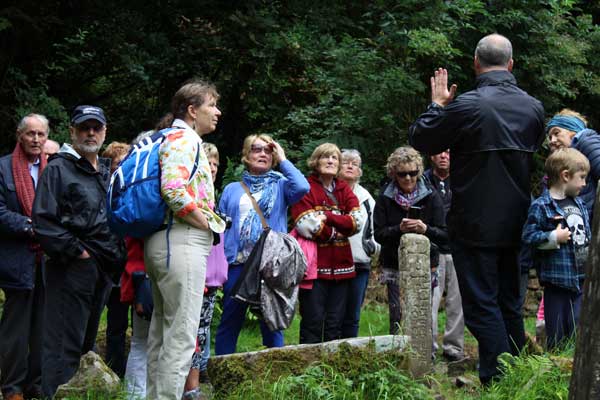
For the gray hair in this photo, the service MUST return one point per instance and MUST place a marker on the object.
(23, 123)
(351, 154)
(494, 51)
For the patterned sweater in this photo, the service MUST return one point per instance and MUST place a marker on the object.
(334, 256)
(177, 157)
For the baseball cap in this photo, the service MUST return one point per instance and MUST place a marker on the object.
(83, 113)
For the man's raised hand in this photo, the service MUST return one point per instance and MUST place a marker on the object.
(439, 88)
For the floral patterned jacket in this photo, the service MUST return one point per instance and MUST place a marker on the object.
(177, 157)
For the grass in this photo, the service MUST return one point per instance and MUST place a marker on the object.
(526, 377)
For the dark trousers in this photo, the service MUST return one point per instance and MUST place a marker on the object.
(561, 314)
(354, 302)
(322, 309)
(21, 335)
(75, 297)
(489, 281)
(234, 316)
(117, 322)
(395, 311)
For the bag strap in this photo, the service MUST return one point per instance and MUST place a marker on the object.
(256, 207)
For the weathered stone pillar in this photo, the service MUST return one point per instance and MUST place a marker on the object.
(415, 293)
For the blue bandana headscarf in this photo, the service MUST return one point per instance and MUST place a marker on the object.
(252, 227)
(567, 122)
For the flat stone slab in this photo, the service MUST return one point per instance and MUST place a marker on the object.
(236, 368)
(382, 343)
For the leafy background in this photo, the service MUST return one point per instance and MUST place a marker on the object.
(353, 73)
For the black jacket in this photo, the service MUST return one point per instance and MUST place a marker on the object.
(388, 215)
(446, 200)
(17, 259)
(492, 133)
(588, 142)
(69, 212)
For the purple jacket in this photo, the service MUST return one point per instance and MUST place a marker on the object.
(216, 265)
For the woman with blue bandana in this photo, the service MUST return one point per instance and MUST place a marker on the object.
(274, 192)
(569, 129)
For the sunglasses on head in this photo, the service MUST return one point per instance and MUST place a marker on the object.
(402, 174)
(257, 148)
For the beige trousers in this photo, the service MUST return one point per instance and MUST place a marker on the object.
(177, 291)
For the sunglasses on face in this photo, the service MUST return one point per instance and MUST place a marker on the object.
(408, 174)
(257, 148)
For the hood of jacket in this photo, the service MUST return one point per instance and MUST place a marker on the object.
(424, 190)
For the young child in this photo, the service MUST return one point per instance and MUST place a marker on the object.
(558, 228)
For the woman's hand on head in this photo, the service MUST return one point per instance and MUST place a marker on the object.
(279, 150)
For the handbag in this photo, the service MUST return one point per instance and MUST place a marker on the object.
(367, 239)
(142, 288)
(272, 274)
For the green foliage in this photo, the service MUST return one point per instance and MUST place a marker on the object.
(529, 377)
(324, 381)
(356, 74)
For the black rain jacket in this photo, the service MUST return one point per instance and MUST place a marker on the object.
(69, 212)
(492, 133)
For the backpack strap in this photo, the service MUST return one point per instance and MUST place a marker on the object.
(256, 207)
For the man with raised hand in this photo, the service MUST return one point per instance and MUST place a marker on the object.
(492, 133)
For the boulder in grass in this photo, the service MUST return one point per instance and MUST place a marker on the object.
(93, 376)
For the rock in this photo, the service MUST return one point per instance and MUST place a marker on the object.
(93, 375)
(233, 369)
(462, 381)
(415, 299)
(565, 364)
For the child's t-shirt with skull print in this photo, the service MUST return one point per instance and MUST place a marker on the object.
(574, 221)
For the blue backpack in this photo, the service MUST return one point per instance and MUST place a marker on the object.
(134, 204)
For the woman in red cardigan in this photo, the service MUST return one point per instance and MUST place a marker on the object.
(328, 214)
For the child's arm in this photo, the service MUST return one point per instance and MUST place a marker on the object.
(534, 235)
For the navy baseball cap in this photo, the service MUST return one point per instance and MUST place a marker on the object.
(83, 113)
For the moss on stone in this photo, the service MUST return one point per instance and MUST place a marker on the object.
(227, 374)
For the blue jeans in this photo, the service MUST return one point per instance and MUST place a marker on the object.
(561, 313)
(354, 302)
(233, 317)
(489, 280)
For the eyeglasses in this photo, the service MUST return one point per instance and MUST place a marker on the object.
(90, 127)
(353, 163)
(411, 174)
(33, 134)
(257, 148)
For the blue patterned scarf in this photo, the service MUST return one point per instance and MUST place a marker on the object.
(252, 227)
(406, 200)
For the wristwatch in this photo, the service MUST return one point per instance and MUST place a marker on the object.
(435, 105)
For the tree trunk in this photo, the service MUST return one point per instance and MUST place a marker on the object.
(585, 379)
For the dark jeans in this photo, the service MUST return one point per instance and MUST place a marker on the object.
(561, 314)
(75, 296)
(395, 311)
(322, 309)
(489, 280)
(234, 316)
(117, 322)
(354, 302)
(21, 335)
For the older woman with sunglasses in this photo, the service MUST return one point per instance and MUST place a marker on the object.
(407, 204)
(274, 193)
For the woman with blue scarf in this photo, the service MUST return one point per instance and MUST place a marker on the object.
(569, 129)
(274, 193)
